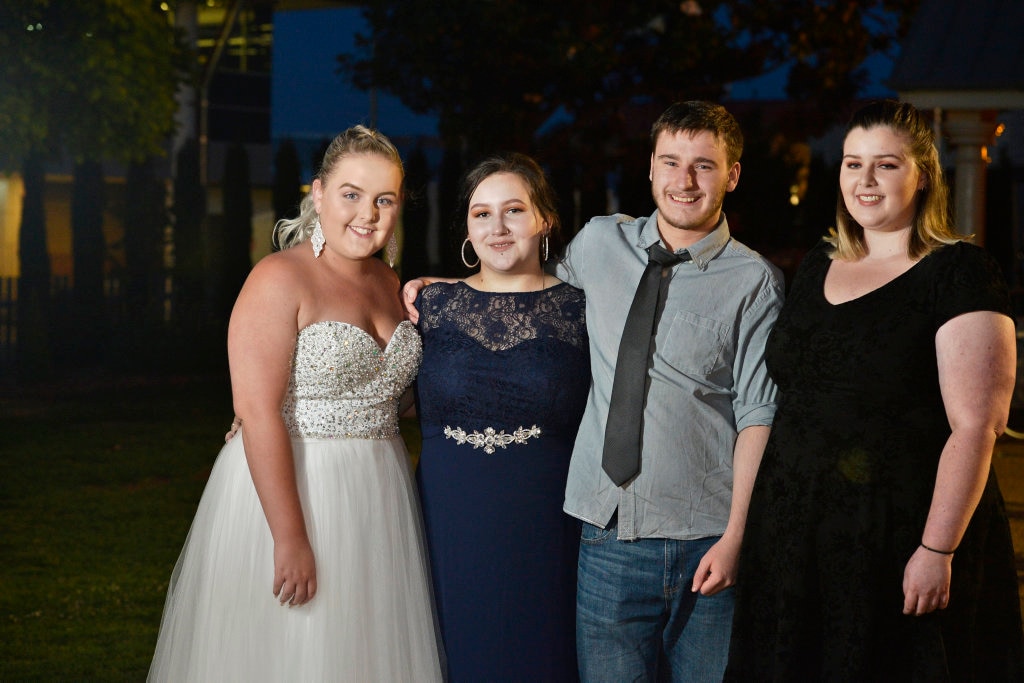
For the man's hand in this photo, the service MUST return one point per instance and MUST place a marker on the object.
(717, 569)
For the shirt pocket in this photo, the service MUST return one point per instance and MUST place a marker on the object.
(694, 344)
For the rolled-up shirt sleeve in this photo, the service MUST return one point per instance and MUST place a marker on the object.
(756, 393)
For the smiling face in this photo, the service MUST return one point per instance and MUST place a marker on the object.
(690, 174)
(504, 226)
(879, 180)
(358, 204)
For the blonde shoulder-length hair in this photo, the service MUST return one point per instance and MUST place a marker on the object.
(932, 224)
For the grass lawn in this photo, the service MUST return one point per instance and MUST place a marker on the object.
(98, 486)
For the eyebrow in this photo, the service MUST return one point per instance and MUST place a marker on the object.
(676, 157)
(885, 155)
(356, 187)
(513, 200)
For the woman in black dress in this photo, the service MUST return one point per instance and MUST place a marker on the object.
(877, 545)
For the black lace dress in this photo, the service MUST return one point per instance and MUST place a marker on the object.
(845, 485)
(500, 395)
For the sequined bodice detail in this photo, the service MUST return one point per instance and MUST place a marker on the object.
(344, 385)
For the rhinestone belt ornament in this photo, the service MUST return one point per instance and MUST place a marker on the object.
(489, 438)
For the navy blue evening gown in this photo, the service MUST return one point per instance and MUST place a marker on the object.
(500, 395)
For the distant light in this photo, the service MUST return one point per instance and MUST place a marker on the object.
(34, 27)
(164, 6)
(1000, 129)
(691, 8)
(794, 199)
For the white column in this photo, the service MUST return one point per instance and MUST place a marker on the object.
(970, 132)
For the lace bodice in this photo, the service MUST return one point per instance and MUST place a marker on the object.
(502, 360)
(344, 385)
(501, 321)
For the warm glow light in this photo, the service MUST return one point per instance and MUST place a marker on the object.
(1000, 129)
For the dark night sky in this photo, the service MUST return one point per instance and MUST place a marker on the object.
(311, 101)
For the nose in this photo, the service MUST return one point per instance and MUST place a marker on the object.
(867, 176)
(369, 210)
(499, 227)
(689, 178)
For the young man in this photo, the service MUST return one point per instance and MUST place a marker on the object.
(659, 552)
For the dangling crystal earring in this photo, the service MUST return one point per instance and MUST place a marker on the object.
(317, 238)
(544, 257)
(462, 253)
(391, 251)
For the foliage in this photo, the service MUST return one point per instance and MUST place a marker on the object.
(236, 228)
(287, 189)
(94, 78)
(495, 72)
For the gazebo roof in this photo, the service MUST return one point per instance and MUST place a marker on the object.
(963, 53)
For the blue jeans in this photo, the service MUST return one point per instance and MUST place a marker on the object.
(636, 618)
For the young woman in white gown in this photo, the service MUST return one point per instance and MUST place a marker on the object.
(305, 560)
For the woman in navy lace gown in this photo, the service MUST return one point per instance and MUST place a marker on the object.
(501, 391)
(877, 546)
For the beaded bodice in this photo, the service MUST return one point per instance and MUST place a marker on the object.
(344, 385)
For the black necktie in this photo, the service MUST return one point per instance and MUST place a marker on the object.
(622, 435)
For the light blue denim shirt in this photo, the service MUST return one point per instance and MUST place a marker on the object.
(708, 380)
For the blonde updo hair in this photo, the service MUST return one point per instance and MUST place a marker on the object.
(932, 224)
(356, 140)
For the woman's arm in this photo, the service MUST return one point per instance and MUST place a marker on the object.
(261, 340)
(977, 369)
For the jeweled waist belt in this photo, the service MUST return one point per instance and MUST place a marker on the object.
(490, 438)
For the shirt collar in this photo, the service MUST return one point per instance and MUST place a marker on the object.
(702, 252)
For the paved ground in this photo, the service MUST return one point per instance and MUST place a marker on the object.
(1008, 460)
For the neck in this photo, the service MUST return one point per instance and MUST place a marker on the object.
(887, 245)
(494, 281)
(682, 238)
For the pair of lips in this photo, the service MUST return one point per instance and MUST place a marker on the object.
(683, 199)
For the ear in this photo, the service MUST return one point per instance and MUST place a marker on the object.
(317, 192)
(734, 177)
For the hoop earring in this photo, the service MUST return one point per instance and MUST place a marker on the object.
(391, 251)
(317, 239)
(544, 258)
(462, 253)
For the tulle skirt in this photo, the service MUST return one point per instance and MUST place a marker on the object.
(372, 618)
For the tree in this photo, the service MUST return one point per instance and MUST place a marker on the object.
(287, 190)
(92, 79)
(236, 232)
(189, 211)
(415, 215)
(499, 74)
(144, 216)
